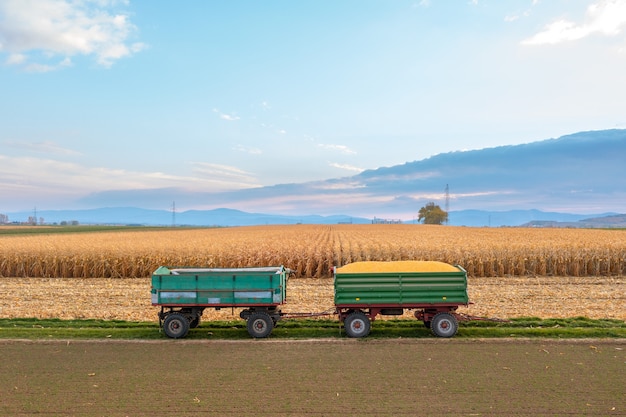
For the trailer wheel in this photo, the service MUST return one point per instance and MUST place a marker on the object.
(260, 325)
(176, 325)
(357, 324)
(444, 325)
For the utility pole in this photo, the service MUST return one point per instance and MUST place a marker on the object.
(173, 213)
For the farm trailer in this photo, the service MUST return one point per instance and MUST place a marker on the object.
(363, 290)
(435, 290)
(184, 293)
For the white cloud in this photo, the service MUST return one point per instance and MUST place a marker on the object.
(340, 148)
(246, 149)
(47, 147)
(36, 67)
(37, 32)
(606, 17)
(420, 175)
(226, 116)
(299, 203)
(49, 179)
(224, 173)
(441, 196)
(346, 167)
(16, 59)
(349, 185)
(521, 14)
(516, 16)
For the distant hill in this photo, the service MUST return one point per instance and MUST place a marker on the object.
(576, 173)
(547, 181)
(610, 221)
(524, 218)
(579, 173)
(229, 217)
(138, 216)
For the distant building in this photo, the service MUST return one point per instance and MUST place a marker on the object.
(386, 221)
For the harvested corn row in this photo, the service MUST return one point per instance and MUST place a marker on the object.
(129, 299)
(397, 266)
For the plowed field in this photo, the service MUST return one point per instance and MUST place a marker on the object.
(313, 378)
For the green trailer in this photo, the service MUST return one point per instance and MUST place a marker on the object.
(184, 293)
(435, 290)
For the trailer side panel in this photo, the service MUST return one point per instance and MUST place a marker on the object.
(401, 289)
(219, 287)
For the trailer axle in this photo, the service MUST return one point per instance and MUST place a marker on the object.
(304, 315)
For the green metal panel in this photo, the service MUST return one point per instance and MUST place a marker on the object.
(219, 286)
(401, 288)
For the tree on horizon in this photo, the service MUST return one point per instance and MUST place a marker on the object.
(432, 214)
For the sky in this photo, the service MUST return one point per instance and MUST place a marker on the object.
(210, 96)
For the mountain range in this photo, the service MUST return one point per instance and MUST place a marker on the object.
(549, 180)
(230, 217)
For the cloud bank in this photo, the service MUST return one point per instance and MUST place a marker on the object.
(56, 182)
(606, 18)
(44, 35)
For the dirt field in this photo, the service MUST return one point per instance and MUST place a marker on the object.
(129, 299)
(315, 378)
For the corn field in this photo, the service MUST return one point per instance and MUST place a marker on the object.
(312, 250)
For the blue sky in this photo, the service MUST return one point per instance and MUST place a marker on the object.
(112, 95)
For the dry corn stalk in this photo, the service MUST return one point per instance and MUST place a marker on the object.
(312, 250)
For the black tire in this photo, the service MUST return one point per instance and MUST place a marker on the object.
(357, 324)
(260, 325)
(444, 325)
(176, 325)
(195, 322)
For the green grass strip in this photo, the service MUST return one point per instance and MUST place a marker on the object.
(578, 327)
(37, 230)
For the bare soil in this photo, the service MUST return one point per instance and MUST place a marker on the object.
(129, 299)
(315, 378)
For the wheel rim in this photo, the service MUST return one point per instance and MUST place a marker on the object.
(357, 326)
(259, 325)
(445, 326)
(175, 326)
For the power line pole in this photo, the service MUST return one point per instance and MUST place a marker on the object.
(173, 213)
